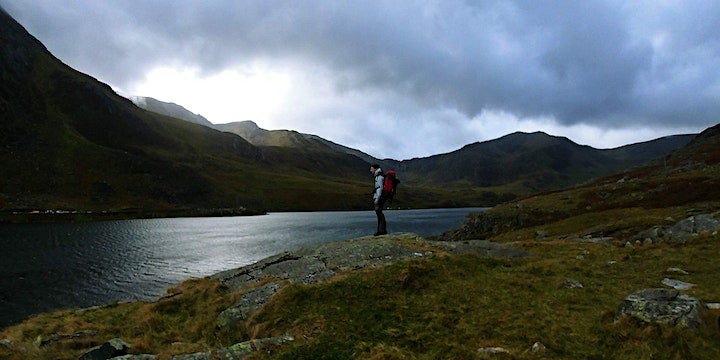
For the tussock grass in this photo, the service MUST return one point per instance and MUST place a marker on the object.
(183, 322)
(448, 307)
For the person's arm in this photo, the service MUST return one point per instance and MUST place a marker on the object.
(378, 187)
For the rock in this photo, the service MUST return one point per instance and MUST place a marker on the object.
(685, 229)
(6, 343)
(321, 262)
(112, 348)
(677, 284)
(135, 357)
(538, 347)
(677, 271)
(681, 232)
(247, 304)
(196, 356)
(665, 306)
(243, 349)
(573, 284)
(595, 239)
(713, 306)
(44, 340)
(540, 234)
(492, 351)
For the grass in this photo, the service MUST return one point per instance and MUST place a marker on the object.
(449, 307)
(441, 307)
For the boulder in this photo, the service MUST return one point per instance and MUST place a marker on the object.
(665, 306)
(685, 229)
(135, 357)
(6, 343)
(681, 232)
(112, 348)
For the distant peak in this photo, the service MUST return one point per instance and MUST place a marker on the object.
(249, 123)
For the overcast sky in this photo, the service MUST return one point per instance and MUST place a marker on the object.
(405, 79)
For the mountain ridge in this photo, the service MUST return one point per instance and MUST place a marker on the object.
(519, 162)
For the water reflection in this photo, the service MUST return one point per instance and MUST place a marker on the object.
(51, 266)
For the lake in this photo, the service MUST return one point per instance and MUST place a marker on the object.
(67, 265)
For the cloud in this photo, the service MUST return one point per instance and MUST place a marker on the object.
(437, 71)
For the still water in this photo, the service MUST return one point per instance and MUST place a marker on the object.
(52, 266)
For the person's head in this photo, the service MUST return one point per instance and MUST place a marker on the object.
(374, 167)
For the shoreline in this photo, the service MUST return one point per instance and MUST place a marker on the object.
(55, 215)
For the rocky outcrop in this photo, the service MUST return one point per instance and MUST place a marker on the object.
(681, 232)
(238, 351)
(321, 262)
(665, 306)
(111, 349)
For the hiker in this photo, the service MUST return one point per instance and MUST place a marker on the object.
(379, 199)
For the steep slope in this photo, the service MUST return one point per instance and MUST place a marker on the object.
(70, 142)
(169, 109)
(251, 132)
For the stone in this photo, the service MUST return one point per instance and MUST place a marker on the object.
(6, 343)
(112, 348)
(681, 232)
(243, 349)
(713, 306)
(196, 356)
(492, 351)
(538, 347)
(540, 234)
(246, 305)
(677, 284)
(665, 306)
(573, 284)
(677, 271)
(135, 357)
(685, 229)
(42, 340)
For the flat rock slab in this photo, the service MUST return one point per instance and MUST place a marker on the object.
(665, 306)
(321, 262)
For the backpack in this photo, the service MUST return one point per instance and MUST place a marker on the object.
(390, 185)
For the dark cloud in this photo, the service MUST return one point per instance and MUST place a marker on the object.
(602, 63)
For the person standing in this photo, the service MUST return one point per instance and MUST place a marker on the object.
(379, 199)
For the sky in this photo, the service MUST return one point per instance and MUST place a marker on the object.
(404, 79)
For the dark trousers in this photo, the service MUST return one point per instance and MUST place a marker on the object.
(382, 224)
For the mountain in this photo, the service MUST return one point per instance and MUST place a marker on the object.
(169, 109)
(527, 163)
(251, 132)
(520, 162)
(641, 205)
(70, 142)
